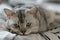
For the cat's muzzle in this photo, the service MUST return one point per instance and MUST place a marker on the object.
(23, 31)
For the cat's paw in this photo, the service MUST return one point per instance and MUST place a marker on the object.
(27, 32)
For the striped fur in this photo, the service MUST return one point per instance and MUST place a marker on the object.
(41, 21)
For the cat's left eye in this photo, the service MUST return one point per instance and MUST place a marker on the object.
(28, 24)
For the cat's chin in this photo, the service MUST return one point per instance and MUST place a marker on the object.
(24, 34)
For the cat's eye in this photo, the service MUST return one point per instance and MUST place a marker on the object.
(16, 26)
(28, 25)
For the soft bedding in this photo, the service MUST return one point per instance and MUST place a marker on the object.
(52, 34)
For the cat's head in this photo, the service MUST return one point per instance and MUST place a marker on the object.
(27, 20)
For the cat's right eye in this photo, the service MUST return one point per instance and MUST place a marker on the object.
(28, 24)
(16, 26)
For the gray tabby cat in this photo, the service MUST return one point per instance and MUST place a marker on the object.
(34, 19)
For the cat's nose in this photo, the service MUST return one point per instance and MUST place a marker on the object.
(23, 31)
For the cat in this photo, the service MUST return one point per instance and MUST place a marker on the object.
(33, 19)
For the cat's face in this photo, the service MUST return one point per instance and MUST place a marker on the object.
(28, 21)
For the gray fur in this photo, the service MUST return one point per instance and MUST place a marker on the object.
(29, 22)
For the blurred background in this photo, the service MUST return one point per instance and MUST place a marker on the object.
(47, 4)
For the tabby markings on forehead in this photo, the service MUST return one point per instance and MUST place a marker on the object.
(21, 16)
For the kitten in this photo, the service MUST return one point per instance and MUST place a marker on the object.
(34, 19)
(28, 20)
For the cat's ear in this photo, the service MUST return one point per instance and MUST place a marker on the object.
(34, 10)
(8, 12)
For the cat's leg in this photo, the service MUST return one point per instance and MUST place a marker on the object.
(28, 32)
(34, 29)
